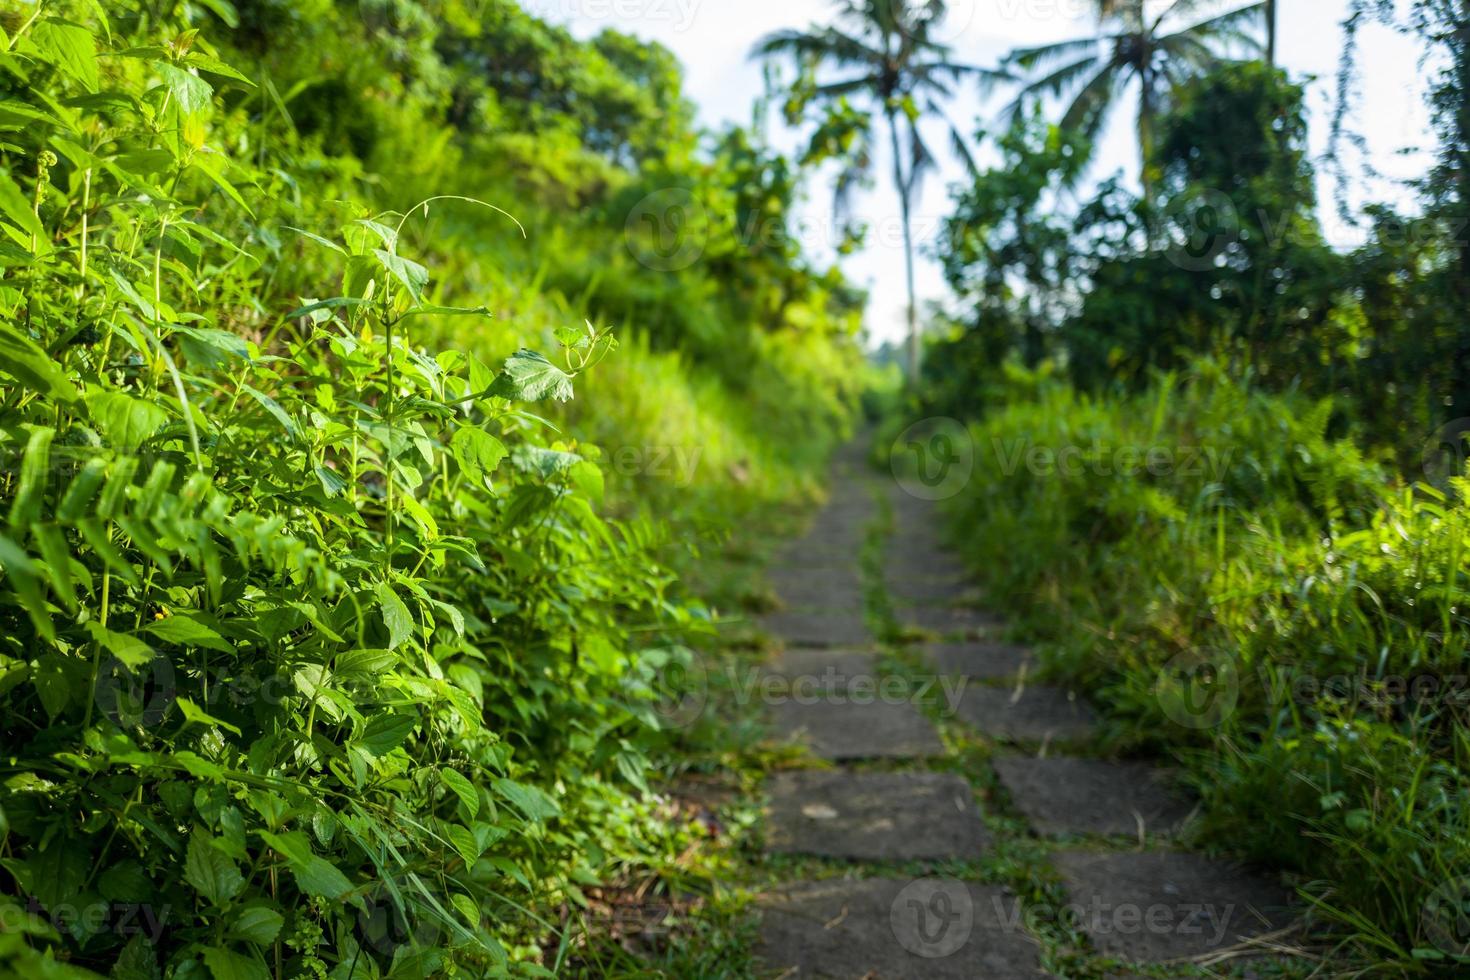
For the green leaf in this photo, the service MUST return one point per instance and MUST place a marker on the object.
(478, 452)
(413, 276)
(130, 651)
(18, 208)
(226, 965)
(185, 632)
(364, 663)
(126, 422)
(396, 616)
(126, 881)
(190, 93)
(462, 788)
(257, 924)
(466, 907)
(35, 467)
(52, 685)
(385, 732)
(532, 802)
(464, 843)
(275, 410)
(211, 872)
(193, 714)
(70, 47)
(529, 377)
(25, 361)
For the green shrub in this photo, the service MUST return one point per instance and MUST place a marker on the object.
(1326, 607)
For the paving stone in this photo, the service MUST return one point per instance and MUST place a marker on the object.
(978, 660)
(1032, 714)
(817, 627)
(895, 929)
(1156, 906)
(1060, 795)
(855, 726)
(838, 665)
(875, 816)
(947, 620)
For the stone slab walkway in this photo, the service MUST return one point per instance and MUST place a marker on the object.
(1062, 795)
(848, 727)
(875, 816)
(1027, 714)
(896, 929)
(887, 803)
(1160, 906)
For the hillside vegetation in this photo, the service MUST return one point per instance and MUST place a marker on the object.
(331, 638)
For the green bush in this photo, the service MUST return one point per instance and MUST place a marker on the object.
(329, 645)
(1241, 587)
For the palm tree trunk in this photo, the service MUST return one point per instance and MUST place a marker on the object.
(1271, 33)
(1146, 132)
(902, 184)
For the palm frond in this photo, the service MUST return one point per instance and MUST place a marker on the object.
(1061, 80)
(1232, 20)
(1089, 111)
(826, 43)
(957, 141)
(1033, 58)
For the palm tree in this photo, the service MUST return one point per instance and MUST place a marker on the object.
(882, 53)
(1132, 48)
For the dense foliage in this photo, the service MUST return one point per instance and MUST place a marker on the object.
(328, 644)
(1222, 464)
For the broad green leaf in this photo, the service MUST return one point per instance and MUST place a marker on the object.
(543, 462)
(126, 422)
(466, 907)
(70, 46)
(365, 663)
(227, 965)
(190, 93)
(210, 871)
(464, 843)
(322, 878)
(529, 800)
(183, 631)
(413, 276)
(22, 359)
(193, 714)
(529, 377)
(52, 684)
(462, 788)
(130, 651)
(18, 208)
(35, 468)
(396, 616)
(275, 410)
(478, 452)
(387, 731)
(257, 924)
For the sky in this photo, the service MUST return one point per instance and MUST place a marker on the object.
(713, 39)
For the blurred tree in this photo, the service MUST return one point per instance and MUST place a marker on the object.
(1134, 48)
(886, 55)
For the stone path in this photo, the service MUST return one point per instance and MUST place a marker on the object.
(894, 866)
